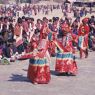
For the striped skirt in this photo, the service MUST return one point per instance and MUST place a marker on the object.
(65, 63)
(39, 71)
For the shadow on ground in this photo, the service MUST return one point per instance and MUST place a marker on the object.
(18, 78)
(54, 73)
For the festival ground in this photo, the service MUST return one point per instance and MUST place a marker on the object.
(55, 13)
(13, 77)
(13, 80)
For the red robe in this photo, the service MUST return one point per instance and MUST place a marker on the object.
(65, 62)
(83, 30)
(83, 36)
(39, 70)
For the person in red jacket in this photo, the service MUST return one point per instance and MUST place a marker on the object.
(83, 37)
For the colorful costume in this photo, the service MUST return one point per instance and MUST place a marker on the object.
(52, 46)
(65, 62)
(39, 70)
(18, 36)
(83, 37)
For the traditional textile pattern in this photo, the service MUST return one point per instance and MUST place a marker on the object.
(39, 70)
(65, 62)
(82, 42)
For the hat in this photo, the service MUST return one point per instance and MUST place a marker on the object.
(85, 20)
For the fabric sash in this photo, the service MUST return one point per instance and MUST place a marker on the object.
(60, 46)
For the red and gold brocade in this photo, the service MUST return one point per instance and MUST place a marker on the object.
(39, 70)
(83, 36)
(65, 62)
